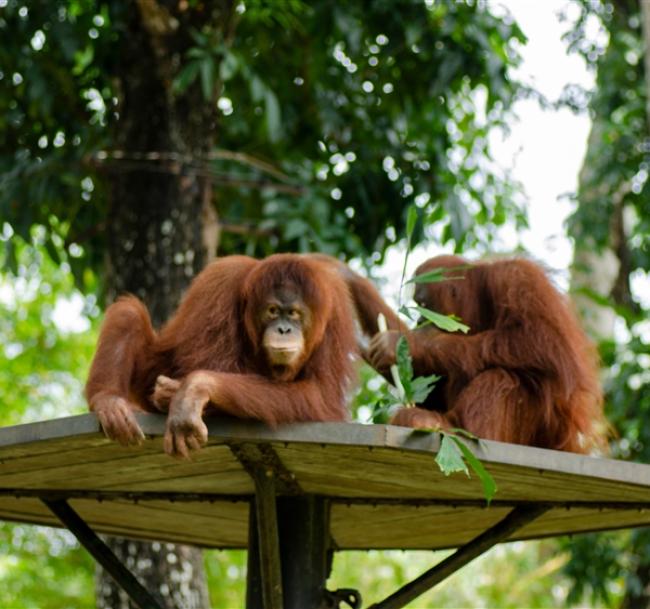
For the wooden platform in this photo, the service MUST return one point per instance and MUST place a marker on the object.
(385, 489)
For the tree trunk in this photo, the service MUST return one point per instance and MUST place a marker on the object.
(645, 24)
(173, 573)
(593, 269)
(160, 231)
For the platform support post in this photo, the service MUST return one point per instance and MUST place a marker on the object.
(102, 554)
(264, 547)
(517, 518)
(305, 556)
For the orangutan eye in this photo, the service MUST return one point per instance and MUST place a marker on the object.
(294, 314)
(273, 311)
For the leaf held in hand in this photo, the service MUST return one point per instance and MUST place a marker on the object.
(429, 277)
(404, 367)
(440, 274)
(422, 386)
(444, 322)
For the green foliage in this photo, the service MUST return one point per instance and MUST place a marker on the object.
(510, 576)
(41, 363)
(43, 568)
(618, 160)
(226, 575)
(364, 108)
(53, 95)
(406, 390)
(373, 103)
(615, 174)
(487, 481)
(599, 564)
(450, 458)
(449, 323)
(454, 455)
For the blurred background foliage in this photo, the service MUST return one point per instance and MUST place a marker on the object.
(612, 216)
(329, 121)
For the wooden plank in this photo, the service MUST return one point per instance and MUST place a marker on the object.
(371, 472)
(224, 524)
(63, 428)
(335, 470)
(64, 453)
(220, 524)
(389, 527)
(396, 526)
(51, 447)
(324, 469)
(336, 460)
(131, 469)
(535, 484)
(582, 520)
(348, 434)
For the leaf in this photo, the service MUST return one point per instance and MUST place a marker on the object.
(186, 77)
(295, 228)
(411, 219)
(439, 274)
(257, 88)
(422, 386)
(404, 367)
(228, 66)
(273, 117)
(449, 457)
(196, 53)
(200, 38)
(382, 407)
(207, 78)
(459, 431)
(489, 485)
(444, 322)
(406, 311)
(430, 277)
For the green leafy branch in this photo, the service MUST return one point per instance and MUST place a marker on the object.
(408, 390)
(405, 390)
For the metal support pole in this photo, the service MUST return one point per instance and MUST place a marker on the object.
(303, 525)
(102, 554)
(304, 550)
(516, 519)
(289, 549)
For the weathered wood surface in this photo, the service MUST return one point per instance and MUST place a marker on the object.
(385, 488)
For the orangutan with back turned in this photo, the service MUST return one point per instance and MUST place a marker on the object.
(525, 373)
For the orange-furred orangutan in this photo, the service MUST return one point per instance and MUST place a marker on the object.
(525, 372)
(270, 339)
